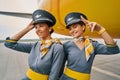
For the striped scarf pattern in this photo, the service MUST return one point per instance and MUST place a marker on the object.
(89, 49)
(47, 45)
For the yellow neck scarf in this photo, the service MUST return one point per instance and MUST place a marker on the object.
(47, 44)
(88, 48)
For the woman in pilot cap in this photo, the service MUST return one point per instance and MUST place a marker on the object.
(80, 52)
(46, 55)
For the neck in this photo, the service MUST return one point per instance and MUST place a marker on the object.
(80, 38)
(46, 38)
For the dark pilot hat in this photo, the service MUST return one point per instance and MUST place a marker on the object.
(73, 17)
(43, 16)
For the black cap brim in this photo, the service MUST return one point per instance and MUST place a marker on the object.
(73, 22)
(43, 20)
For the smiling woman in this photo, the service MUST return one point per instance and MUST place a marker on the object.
(46, 55)
(81, 51)
(100, 11)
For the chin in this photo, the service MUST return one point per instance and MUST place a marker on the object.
(75, 36)
(40, 36)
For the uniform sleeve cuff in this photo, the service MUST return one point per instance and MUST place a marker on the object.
(109, 45)
(10, 40)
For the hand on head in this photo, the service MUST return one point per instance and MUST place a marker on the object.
(30, 25)
(93, 26)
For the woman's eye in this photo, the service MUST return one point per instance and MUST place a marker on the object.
(41, 25)
(75, 26)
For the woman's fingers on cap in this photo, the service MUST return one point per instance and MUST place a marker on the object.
(93, 24)
(92, 28)
(32, 21)
(84, 20)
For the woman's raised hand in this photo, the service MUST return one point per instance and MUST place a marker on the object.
(93, 26)
(30, 25)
